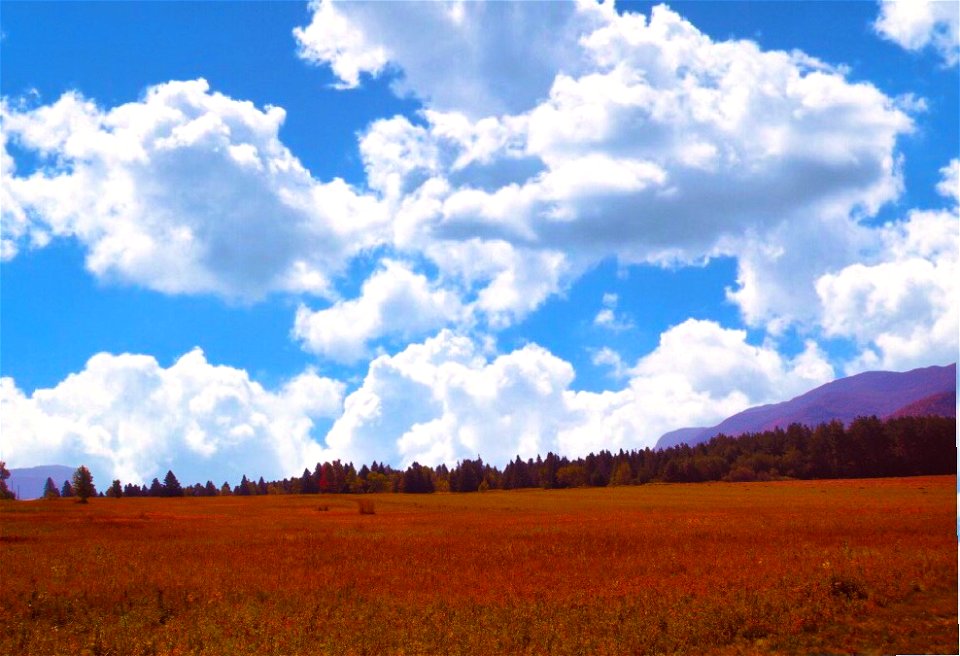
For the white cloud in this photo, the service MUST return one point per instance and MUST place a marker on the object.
(777, 271)
(509, 281)
(607, 357)
(663, 146)
(185, 191)
(607, 316)
(330, 38)
(596, 134)
(903, 305)
(918, 24)
(393, 301)
(444, 400)
(127, 417)
(613, 134)
(490, 57)
(949, 185)
(441, 400)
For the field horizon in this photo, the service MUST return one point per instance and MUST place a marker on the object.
(822, 566)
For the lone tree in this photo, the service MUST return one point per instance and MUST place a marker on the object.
(5, 492)
(83, 484)
(50, 490)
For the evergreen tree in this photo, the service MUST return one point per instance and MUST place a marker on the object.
(416, 480)
(171, 486)
(66, 490)
(156, 488)
(50, 490)
(115, 490)
(622, 475)
(83, 484)
(308, 484)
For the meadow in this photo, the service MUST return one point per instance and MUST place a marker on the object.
(844, 566)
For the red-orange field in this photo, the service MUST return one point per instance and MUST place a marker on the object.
(864, 566)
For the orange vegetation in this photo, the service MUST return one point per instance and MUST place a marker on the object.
(752, 568)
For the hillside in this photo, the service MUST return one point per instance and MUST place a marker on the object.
(943, 404)
(882, 393)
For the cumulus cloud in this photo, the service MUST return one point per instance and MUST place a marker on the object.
(903, 305)
(127, 417)
(393, 301)
(918, 24)
(440, 400)
(491, 57)
(444, 399)
(595, 134)
(661, 146)
(184, 191)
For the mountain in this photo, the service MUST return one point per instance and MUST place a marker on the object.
(943, 404)
(28, 482)
(931, 390)
(681, 436)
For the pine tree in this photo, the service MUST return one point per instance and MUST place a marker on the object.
(83, 484)
(307, 484)
(171, 486)
(116, 490)
(156, 488)
(67, 490)
(416, 480)
(50, 490)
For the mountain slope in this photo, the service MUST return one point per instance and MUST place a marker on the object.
(28, 482)
(943, 404)
(880, 393)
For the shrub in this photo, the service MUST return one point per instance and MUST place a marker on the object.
(365, 506)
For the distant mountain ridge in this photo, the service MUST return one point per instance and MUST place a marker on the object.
(28, 482)
(926, 391)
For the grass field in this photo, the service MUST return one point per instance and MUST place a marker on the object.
(863, 566)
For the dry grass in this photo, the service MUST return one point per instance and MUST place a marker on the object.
(365, 506)
(757, 568)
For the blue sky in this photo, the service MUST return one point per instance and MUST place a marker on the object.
(245, 237)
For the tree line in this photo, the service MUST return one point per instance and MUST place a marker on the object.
(869, 447)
